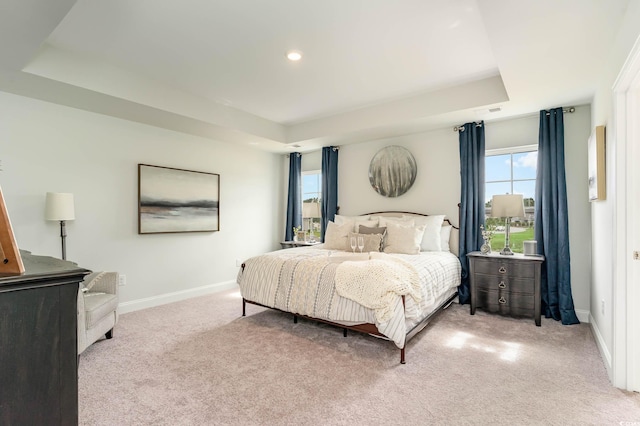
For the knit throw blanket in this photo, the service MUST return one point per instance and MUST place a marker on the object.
(376, 283)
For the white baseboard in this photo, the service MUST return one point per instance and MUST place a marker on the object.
(583, 315)
(602, 347)
(163, 299)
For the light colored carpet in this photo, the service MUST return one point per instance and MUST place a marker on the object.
(198, 362)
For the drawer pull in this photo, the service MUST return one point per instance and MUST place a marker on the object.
(502, 284)
(502, 270)
(502, 300)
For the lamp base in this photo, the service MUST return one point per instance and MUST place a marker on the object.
(506, 251)
(63, 236)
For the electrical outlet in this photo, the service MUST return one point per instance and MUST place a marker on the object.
(122, 280)
(238, 262)
(602, 306)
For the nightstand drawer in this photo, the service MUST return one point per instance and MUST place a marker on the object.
(493, 282)
(506, 303)
(505, 268)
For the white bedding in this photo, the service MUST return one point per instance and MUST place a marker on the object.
(375, 282)
(302, 281)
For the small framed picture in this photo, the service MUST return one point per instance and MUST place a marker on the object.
(597, 158)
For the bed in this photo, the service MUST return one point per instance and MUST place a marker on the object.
(408, 271)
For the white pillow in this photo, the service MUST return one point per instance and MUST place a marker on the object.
(431, 238)
(341, 219)
(445, 234)
(403, 239)
(336, 237)
(356, 221)
(383, 220)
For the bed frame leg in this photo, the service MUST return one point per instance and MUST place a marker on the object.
(344, 332)
(402, 361)
(295, 319)
(244, 307)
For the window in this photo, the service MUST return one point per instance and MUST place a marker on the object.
(311, 195)
(511, 171)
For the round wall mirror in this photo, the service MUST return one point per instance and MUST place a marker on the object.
(392, 171)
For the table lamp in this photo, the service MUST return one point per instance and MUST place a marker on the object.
(507, 206)
(59, 206)
(311, 210)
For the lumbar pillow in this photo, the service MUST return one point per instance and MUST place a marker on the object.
(403, 239)
(372, 242)
(431, 240)
(336, 237)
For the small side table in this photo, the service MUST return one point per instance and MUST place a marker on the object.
(508, 285)
(291, 244)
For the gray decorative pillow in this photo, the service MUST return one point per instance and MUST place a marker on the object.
(372, 242)
(372, 230)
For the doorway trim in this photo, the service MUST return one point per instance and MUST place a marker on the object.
(625, 138)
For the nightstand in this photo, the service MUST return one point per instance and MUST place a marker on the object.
(508, 285)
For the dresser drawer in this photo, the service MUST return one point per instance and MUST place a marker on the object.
(494, 282)
(506, 303)
(501, 267)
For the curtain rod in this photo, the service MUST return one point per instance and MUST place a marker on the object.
(333, 148)
(460, 128)
(570, 110)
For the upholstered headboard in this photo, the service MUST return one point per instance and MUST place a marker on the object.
(454, 238)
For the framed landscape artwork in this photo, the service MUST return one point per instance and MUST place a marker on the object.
(176, 200)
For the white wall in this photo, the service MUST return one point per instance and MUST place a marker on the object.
(603, 212)
(46, 147)
(310, 161)
(435, 191)
(437, 186)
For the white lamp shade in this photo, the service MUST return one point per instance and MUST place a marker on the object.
(508, 205)
(59, 206)
(311, 210)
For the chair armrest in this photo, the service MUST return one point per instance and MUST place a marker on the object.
(104, 282)
(80, 304)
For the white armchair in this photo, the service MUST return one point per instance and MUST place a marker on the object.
(97, 308)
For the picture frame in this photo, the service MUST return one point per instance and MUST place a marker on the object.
(597, 164)
(11, 260)
(172, 200)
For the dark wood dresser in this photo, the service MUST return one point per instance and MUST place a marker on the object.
(38, 343)
(508, 285)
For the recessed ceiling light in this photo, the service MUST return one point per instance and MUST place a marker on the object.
(294, 55)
